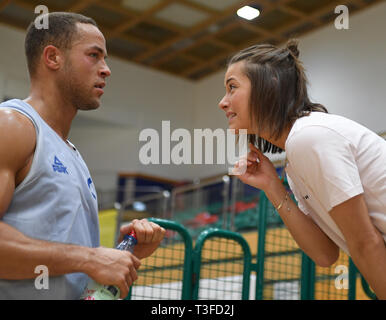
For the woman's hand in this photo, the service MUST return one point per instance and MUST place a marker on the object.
(260, 172)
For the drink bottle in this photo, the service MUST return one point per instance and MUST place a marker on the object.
(96, 291)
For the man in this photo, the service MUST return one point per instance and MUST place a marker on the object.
(48, 205)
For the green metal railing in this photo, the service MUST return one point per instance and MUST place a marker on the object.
(370, 293)
(167, 274)
(224, 258)
(280, 263)
(219, 266)
(284, 270)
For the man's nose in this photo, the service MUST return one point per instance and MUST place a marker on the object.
(105, 71)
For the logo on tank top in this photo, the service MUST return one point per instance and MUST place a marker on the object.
(58, 166)
(89, 183)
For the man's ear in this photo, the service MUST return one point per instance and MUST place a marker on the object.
(52, 57)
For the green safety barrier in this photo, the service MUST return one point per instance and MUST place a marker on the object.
(175, 271)
(367, 289)
(281, 266)
(167, 274)
(224, 258)
(219, 266)
(285, 271)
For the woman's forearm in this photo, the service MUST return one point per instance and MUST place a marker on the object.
(370, 259)
(313, 241)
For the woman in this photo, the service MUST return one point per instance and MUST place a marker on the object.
(336, 167)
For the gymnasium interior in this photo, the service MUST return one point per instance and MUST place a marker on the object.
(224, 240)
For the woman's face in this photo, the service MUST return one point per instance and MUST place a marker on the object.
(235, 103)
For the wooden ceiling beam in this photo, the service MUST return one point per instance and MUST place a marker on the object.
(192, 58)
(268, 6)
(202, 32)
(24, 5)
(362, 4)
(195, 44)
(4, 3)
(140, 42)
(31, 7)
(192, 31)
(141, 17)
(136, 18)
(259, 30)
(293, 12)
(315, 16)
(301, 15)
(359, 3)
(81, 5)
(75, 8)
(186, 57)
(221, 43)
(109, 5)
(165, 24)
(198, 6)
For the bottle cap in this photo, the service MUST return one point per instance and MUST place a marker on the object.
(131, 235)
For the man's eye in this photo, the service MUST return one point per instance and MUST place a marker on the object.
(94, 55)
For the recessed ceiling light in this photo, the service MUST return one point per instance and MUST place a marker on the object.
(248, 13)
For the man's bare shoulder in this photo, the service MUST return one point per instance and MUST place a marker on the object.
(17, 139)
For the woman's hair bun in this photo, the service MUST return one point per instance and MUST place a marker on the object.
(292, 46)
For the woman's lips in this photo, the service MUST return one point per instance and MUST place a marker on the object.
(230, 115)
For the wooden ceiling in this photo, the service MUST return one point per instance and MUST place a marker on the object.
(187, 38)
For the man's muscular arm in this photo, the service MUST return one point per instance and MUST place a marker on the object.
(19, 254)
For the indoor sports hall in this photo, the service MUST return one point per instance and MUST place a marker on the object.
(159, 147)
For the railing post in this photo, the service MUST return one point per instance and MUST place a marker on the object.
(188, 255)
(234, 191)
(225, 195)
(367, 290)
(307, 280)
(225, 234)
(262, 226)
(352, 277)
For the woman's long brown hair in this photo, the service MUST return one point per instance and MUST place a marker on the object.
(278, 90)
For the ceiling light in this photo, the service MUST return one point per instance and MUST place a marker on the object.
(139, 206)
(248, 13)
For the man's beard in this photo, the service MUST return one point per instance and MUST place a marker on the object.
(75, 92)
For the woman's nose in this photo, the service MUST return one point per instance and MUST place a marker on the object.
(223, 104)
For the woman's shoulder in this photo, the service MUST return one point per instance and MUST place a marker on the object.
(321, 127)
(315, 128)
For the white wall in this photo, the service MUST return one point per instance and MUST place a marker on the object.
(13, 66)
(135, 98)
(346, 69)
